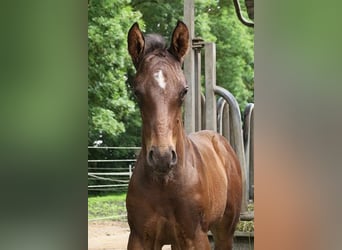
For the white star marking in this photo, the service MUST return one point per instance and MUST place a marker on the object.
(160, 79)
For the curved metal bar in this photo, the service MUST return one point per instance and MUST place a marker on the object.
(219, 106)
(223, 126)
(248, 137)
(239, 15)
(237, 140)
(203, 110)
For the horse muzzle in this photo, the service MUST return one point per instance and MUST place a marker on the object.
(162, 159)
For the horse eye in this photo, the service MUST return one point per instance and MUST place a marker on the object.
(184, 92)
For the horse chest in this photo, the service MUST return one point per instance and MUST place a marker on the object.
(173, 223)
(177, 214)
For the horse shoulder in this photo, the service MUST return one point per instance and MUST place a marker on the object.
(212, 163)
(212, 144)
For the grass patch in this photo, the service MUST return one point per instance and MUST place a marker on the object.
(111, 206)
(246, 226)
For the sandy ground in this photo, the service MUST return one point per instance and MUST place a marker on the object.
(109, 235)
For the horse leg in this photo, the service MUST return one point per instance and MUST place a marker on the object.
(174, 247)
(223, 238)
(202, 242)
(199, 242)
(223, 232)
(134, 243)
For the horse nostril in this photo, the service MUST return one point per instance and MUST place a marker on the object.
(173, 157)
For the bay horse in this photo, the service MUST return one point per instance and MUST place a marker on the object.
(182, 186)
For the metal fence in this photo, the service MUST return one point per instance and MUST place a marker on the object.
(110, 174)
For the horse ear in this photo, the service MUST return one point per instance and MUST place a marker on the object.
(136, 43)
(180, 41)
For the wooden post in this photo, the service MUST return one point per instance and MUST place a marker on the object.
(210, 84)
(189, 69)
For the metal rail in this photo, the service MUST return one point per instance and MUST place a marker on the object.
(103, 147)
(121, 160)
(223, 124)
(248, 138)
(236, 140)
(239, 14)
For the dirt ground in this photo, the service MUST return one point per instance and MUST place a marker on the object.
(109, 235)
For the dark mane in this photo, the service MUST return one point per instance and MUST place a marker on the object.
(154, 42)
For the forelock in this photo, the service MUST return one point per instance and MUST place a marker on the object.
(154, 42)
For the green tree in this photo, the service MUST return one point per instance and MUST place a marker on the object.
(215, 21)
(160, 16)
(113, 117)
(109, 103)
(235, 54)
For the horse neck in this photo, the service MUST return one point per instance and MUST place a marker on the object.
(181, 145)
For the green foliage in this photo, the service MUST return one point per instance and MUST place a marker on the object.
(160, 16)
(236, 53)
(217, 22)
(108, 65)
(113, 117)
(246, 226)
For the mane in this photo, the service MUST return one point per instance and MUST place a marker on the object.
(154, 42)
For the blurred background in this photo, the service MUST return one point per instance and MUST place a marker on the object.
(44, 111)
(114, 123)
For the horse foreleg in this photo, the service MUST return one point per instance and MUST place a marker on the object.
(199, 242)
(134, 243)
(223, 234)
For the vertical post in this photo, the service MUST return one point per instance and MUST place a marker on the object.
(203, 111)
(130, 170)
(248, 129)
(189, 68)
(198, 97)
(210, 84)
(251, 157)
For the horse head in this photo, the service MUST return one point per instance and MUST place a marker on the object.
(160, 88)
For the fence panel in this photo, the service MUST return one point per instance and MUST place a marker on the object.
(110, 174)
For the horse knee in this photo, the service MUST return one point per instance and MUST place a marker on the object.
(226, 244)
(201, 242)
(134, 242)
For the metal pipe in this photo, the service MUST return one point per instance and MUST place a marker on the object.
(237, 141)
(223, 120)
(239, 14)
(248, 137)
